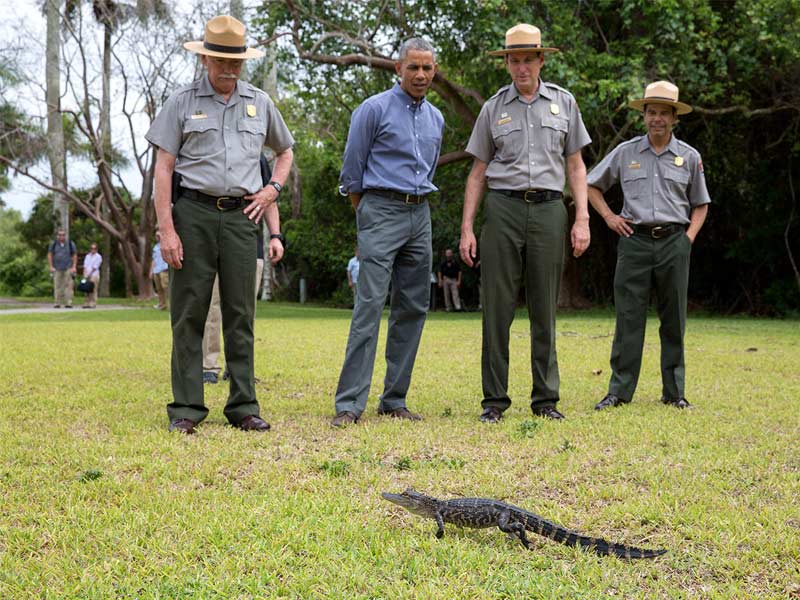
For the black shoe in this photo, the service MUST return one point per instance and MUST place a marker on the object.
(677, 402)
(610, 400)
(183, 426)
(253, 423)
(226, 374)
(491, 415)
(210, 377)
(344, 418)
(548, 412)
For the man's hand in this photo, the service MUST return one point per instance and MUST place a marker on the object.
(619, 225)
(275, 251)
(73, 271)
(580, 237)
(172, 249)
(468, 247)
(259, 203)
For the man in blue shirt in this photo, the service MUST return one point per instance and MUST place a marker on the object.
(387, 171)
(352, 276)
(159, 273)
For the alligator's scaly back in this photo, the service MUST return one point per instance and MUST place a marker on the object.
(483, 512)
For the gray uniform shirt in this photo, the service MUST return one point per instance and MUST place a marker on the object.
(657, 188)
(217, 145)
(525, 145)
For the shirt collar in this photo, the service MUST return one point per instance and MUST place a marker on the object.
(512, 93)
(672, 146)
(206, 89)
(399, 91)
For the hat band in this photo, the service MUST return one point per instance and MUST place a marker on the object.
(520, 46)
(228, 49)
(659, 98)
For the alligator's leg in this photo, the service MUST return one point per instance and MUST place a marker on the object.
(515, 528)
(440, 524)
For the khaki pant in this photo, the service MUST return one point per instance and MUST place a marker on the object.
(91, 297)
(62, 287)
(161, 281)
(451, 297)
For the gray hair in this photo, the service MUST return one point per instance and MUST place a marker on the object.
(418, 44)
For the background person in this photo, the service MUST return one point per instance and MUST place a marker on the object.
(91, 272)
(159, 273)
(62, 258)
(449, 277)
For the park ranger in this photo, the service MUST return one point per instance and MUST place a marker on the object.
(211, 133)
(526, 142)
(665, 205)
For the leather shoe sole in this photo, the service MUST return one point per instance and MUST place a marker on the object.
(491, 415)
(609, 401)
(253, 423)
(183, 426)
(548, 412)
(344, 418)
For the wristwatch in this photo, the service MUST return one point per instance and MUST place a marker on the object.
(276, 185)
(278, 236)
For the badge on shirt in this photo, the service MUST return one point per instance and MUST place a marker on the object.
(251, 110)
(199, 115)
(678, 161)
(635, 165)
(554, 109)
(504, 120)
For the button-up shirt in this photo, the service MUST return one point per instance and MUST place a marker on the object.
(352, 267)
(91, 263)
(159, 264)
(393, 144)
(62, 254)
(657, 188)
(525, 145)
(217, 145)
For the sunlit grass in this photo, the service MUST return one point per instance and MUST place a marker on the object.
(99, 501)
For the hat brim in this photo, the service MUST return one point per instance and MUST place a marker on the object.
(680, 107)
(505, 51)
(199, 48)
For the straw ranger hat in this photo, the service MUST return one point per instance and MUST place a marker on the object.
(523, 38)
(661, 92)
(224, 38)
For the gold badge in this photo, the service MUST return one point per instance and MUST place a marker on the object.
(251, 110)
(554, 109)
(634, 165)
(504, 121)
(199, 116)
(678, 161)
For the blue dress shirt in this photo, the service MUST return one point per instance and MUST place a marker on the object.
(158, 261)
(393, 144)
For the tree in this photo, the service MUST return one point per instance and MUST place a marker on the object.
(56, 150)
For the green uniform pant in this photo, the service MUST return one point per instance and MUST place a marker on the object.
(521, 242)
(214, 242)
(644, 263)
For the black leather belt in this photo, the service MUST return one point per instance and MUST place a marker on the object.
(219, 202)
(391, 194)
(533, 196)
(658, 231)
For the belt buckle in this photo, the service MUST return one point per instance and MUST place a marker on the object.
(411, 199)
(658, 232)
(533, 197)
(220, 200)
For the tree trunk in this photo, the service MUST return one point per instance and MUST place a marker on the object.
(105, 139)
(56, 152)
(270, 85)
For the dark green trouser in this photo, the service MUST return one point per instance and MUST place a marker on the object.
(519, 240)
(214, 242)
(642, 263)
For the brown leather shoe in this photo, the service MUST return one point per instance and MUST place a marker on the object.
(401, 413)
(253, 423)
(344, 418)
(549, 412)
(183, 426)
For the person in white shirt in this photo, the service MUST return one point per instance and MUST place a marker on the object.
(91, 272)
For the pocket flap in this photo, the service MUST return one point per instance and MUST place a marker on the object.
(200, 125)
(505, 129)
(554, 122)
(634, 174)
(253, 126)
(679, 175)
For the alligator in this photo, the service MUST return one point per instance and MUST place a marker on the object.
(480, 513)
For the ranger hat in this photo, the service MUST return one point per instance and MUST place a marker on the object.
(661, 92)
(224, 38)
(523, 38)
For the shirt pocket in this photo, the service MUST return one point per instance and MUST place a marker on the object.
(252, 133)
(507, 140)
(554, 130)
(429, 147)
(634, 183)
(199, 136)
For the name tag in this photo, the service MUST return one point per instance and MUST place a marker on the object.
(634, 165)
(504, 121)
(199, 116)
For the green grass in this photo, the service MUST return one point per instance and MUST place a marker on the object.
(97, 500)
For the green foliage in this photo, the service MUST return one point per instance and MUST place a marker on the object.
(22, 273)
(335, 468)
(728, 58)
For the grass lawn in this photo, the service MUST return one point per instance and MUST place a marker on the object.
(99, 501)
